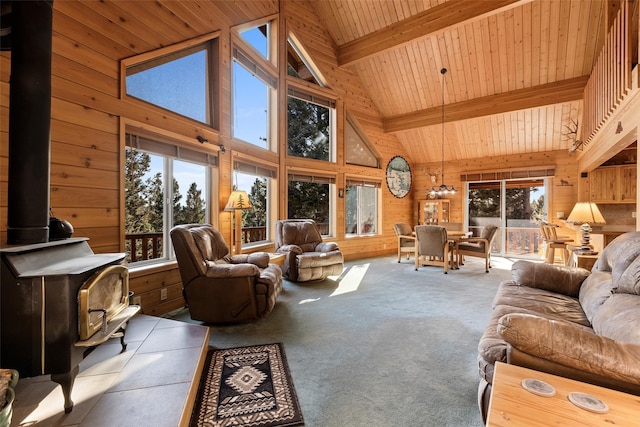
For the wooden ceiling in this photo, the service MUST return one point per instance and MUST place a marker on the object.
(516, 69)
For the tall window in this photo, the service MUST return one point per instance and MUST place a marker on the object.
(310, 126)
(259, 183)
(310, 197)
(179, 80)
(164, 186)
(361, 204)
(255, 81)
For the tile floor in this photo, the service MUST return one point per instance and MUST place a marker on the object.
(153, 383)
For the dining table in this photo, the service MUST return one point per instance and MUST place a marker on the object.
(454, 236)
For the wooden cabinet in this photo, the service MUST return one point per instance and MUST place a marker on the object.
(613, 184)
(432, 212)
(628, 183)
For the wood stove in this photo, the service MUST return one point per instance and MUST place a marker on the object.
(57, 301)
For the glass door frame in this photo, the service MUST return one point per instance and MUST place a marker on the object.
(501, 234)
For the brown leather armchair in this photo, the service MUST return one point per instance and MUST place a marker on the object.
(307, 256)
(223, 288)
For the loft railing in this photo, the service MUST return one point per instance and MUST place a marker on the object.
(611, 78)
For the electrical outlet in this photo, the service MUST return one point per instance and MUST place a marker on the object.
(633, 214)
(163, 294)
(137, 300)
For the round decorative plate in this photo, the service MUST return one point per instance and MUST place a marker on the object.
(399, 177)
(538, 387)
(588, 402)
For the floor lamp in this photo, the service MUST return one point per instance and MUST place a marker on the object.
(238, 201)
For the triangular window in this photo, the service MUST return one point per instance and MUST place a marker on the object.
(299, 65)
(359, 151)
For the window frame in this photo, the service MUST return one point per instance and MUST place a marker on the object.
(322, 178)
(249, 165)
(360, 182)
(261, 68)
(318, 96)
(210, 42)
(172, 149)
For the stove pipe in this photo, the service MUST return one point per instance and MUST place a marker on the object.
(29, 122)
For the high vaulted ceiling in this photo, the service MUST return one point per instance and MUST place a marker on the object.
(516, 69)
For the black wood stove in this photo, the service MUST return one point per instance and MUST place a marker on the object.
(53, 310)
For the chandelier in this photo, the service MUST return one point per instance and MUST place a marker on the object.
(443, 189)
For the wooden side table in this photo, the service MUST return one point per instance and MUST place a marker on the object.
(586, 261)
(276, 258)
(512, 405)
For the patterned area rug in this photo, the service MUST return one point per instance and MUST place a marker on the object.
(246, 386)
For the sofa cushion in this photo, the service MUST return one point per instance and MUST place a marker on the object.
(554, 278)
(619, 318)
(629, 282)
(540, 301)
(571, 345)
(621, 251)
(594, 291)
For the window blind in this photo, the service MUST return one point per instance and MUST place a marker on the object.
(520, 173)
(255, 69)
(314, 99)
(170, 150)
(251, 168)
(317, 179)
(363, 182)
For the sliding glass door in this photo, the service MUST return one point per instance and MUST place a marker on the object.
(515, 207)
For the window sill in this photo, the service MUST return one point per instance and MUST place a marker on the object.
(143, 270)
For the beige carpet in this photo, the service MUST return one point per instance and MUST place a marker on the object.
(383, 344)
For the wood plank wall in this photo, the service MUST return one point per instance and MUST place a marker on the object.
(90, 38)
(564, 189)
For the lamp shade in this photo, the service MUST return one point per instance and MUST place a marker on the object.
(238, 200)
(586, 213)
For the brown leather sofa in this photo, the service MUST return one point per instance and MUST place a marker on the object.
(307, 256)
(223, 288)
(569, 321)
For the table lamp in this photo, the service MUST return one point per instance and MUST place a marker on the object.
(238, 201)
(585, 213)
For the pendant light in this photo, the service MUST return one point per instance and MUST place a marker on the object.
(443, 189)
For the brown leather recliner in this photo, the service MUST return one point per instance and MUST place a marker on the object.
(223, 288)
(307, 256)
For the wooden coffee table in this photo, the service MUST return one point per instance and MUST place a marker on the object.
(512, 405)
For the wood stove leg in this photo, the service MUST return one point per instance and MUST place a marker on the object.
(123, 330)
(66, 381)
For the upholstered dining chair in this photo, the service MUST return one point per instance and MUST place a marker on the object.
(433, 247)
(223, 288)
(406, 239)
(308, 257)
(478, 246)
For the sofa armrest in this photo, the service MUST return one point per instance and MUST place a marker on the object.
(554, 278)
(290, 248)
(572, 346)
(223, 271)
(327, 247)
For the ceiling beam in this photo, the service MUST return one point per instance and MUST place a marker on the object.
(421, 25)
(538, 96)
